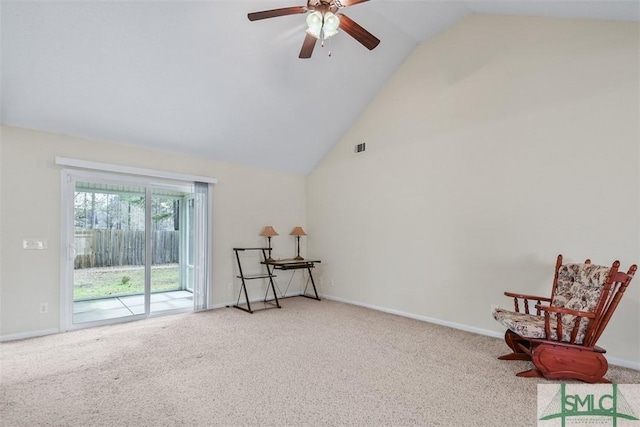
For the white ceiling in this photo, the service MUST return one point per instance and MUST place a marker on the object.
(197, 77)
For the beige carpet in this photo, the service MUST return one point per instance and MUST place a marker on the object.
(309, 363)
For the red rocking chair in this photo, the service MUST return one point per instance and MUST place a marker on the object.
(560, 338)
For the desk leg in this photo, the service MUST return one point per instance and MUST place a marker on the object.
(315, 291)
(273, 288)
(246, 295)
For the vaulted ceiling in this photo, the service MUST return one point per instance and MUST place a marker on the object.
(197, 77)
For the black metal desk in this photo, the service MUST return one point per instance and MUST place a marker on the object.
(295, 264)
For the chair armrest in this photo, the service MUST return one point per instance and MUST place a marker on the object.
(568, 311)
(525, 298)
(559, 312)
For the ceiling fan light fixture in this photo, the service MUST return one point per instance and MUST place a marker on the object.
(331, 24)
(323, 21)
(314, 24)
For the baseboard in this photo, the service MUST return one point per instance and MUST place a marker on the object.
(25, 335)
(433, 320)
(612, 360)
(624, 363)
(251, 300)
(219, 305)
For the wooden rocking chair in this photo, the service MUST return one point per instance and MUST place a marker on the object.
(560, 338)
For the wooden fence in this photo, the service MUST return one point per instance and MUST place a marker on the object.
(110, 247)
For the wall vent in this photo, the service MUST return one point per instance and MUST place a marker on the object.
(360, 147)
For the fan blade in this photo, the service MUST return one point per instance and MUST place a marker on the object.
(350, 27)
(346, 3)
(277, 12)
(307, 46)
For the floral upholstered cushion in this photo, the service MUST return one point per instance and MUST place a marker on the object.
(526, 325)
(579, 288)
(531, 326)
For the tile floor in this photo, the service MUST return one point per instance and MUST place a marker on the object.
(111, 308)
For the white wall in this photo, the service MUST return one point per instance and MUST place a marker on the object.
(497, 145)
(245, 200)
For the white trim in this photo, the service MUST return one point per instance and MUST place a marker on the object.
(109, 167)
(427, 319)
(252, 300)
(209, 283)
(127, 319)
(66, 251)
(218, 306)
(631, 364)
(25, 335)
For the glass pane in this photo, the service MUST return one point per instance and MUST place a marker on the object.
(109, 241)
(168, 287)
(189, 225)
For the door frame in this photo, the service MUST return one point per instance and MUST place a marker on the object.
(68, 180)
(187, 246)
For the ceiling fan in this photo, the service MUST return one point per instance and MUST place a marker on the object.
(323, 22)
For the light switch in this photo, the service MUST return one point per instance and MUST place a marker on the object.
(34, 244)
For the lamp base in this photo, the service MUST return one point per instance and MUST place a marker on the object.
(299, 258)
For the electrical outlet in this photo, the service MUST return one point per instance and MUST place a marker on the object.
(44, 307)
(331, 284)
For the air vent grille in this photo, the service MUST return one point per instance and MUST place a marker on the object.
(360, 147)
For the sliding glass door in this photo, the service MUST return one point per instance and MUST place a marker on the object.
(131, 250)
(109, 250)
(171, 244)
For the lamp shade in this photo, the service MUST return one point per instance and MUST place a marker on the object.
(269, 231)
(298, 231)
(314, 23)
(331, 24)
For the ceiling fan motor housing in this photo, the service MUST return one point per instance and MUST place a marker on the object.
(323, 6)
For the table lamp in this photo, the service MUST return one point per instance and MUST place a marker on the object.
(269, 232)
(298, 231)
